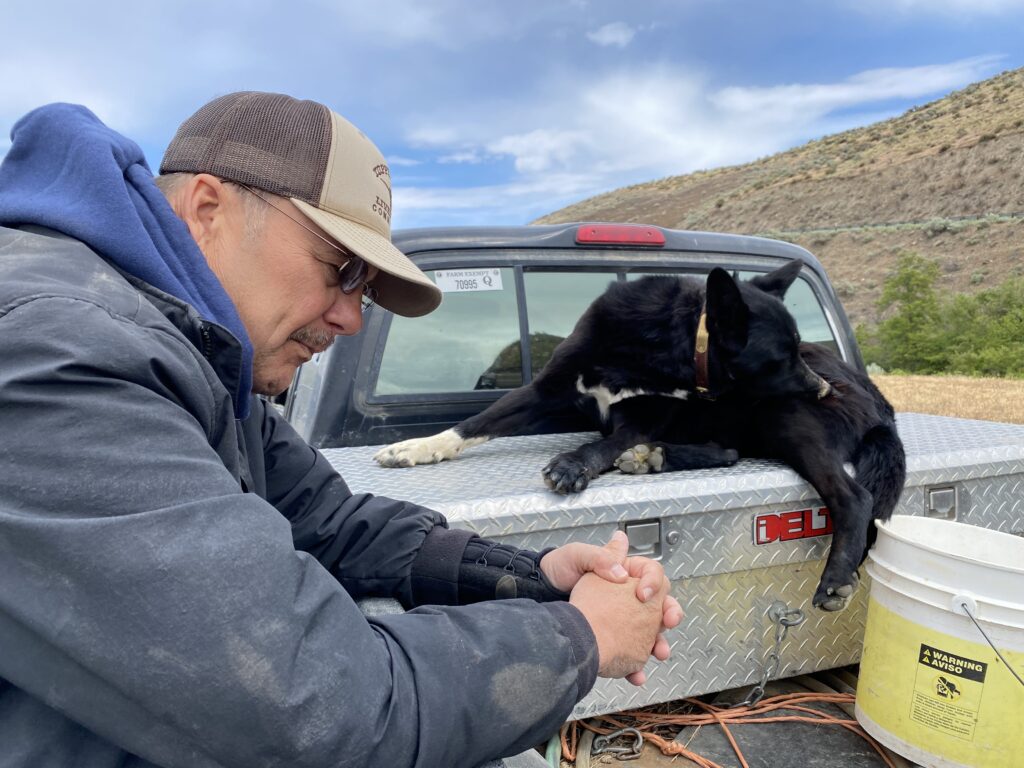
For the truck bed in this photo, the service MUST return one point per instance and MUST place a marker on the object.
(705, 527)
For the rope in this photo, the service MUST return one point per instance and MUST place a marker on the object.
(700, 714)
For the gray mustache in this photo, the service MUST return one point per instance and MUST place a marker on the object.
(314, 339)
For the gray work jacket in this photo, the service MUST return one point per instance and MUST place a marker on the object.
(177, 587)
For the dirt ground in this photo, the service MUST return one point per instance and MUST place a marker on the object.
(960, 396)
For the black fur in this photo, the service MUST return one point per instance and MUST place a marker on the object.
(766, 385)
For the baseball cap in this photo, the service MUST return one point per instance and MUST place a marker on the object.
(326, 166)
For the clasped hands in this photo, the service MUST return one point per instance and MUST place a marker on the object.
(624, 599)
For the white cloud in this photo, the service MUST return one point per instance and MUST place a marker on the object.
(470, 157)
(617, 33)
(402, 162)
(786, 102)
(522, 200)
(56, 80)
(539, 150)
(645, 124)
(958, 8)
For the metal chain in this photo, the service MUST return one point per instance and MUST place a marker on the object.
(784, 618)
(602, 744)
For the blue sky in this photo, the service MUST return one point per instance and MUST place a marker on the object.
(495, 111)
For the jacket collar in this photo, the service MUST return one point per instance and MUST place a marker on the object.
(216, 343)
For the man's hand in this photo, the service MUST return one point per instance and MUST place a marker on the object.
(625, 628)
(565, 566)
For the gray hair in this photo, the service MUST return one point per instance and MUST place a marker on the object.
(254, 208)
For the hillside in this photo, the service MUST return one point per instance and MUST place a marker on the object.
(945, 180)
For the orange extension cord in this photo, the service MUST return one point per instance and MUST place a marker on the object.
(646, 721)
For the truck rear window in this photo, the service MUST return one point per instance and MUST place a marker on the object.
(474, 340)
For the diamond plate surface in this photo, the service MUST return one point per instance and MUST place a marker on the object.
(723, 580)
(727, 633)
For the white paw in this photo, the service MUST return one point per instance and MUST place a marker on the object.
(425, 450)
(640, 459)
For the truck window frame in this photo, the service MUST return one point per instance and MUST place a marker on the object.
(621, 264)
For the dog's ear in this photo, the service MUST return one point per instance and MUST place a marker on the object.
(728, 315)
(777, 283)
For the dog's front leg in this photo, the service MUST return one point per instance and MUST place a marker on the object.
(572, 471)
(523, 411)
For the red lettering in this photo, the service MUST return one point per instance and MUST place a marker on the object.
(791, 526)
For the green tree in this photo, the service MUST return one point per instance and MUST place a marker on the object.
(911, 337)
(986, 331)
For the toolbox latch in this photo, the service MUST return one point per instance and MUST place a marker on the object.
(941, 502)
(645, 538)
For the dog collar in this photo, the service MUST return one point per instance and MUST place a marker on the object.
(700, 354)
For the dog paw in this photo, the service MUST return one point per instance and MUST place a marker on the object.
(566, 474)
(424, 450)
(641, 459)
(835, 598)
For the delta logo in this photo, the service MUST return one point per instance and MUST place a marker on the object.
(770, 527)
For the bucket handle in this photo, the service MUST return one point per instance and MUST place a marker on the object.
(964, 604)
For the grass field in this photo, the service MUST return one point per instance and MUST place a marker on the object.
(967, 398)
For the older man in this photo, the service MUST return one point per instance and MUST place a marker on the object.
(178, 570)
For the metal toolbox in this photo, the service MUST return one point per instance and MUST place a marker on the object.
(735, 541)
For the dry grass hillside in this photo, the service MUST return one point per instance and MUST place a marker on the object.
(945, 180)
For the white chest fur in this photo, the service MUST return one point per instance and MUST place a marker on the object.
(605, 398)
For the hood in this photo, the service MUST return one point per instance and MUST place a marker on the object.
(69, 172)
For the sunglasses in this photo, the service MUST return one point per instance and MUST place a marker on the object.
(351, 275)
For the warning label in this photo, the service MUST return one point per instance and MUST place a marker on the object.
(957, 665)
(947, 692)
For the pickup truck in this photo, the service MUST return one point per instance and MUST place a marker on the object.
(742, 545)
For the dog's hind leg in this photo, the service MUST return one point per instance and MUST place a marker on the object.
(523, 411)
(881, 466)
(671, 457)
(572, 471)
(630, 421)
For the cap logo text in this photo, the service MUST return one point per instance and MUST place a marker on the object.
(381, 206)
(383, 209)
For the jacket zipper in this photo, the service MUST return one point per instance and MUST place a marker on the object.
(204, 331)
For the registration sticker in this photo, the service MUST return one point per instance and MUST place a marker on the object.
(459, 280)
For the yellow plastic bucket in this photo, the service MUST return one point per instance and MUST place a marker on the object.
(931, 687)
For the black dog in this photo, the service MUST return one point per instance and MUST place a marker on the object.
(678, 377)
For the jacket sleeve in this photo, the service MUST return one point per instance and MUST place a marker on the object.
(368, 542)
(379, 547)
(145, 597)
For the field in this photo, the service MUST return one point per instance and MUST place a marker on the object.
(967, 398)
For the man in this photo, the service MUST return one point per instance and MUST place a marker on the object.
(178, 569)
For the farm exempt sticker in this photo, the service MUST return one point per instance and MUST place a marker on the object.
(947, 692)
(460, 280)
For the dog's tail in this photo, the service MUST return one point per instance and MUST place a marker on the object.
(881, 466)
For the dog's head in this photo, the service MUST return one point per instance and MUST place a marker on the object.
(756, 337)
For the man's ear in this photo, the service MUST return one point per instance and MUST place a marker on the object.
(777, 283)
(728, 315)
(201, 204)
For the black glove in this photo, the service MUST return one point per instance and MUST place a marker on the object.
(492, 571)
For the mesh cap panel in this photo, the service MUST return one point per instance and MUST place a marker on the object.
(268, 140)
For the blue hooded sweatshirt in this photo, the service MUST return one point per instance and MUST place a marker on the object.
(69, 172)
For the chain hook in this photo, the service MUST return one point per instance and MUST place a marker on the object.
(784, 617)
(602, 744)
